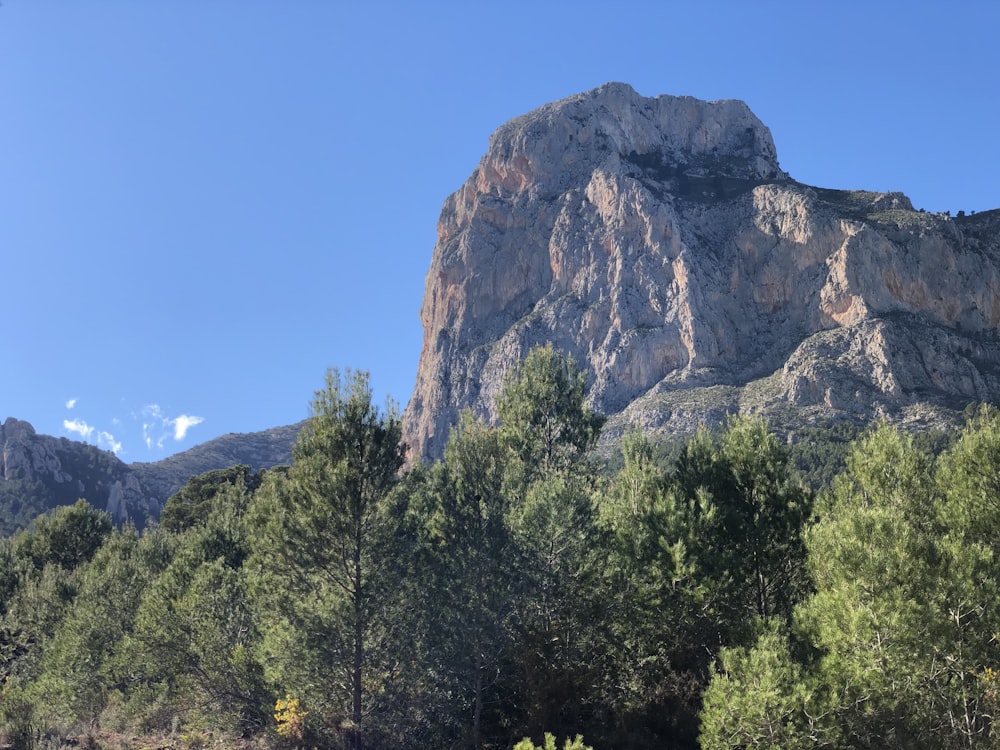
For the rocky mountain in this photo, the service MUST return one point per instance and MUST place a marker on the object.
(658, 241)
(258, 450)
(39, 472)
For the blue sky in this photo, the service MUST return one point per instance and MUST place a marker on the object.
(203, 205)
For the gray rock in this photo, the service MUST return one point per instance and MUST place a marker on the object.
(658, 242)
(23, 454)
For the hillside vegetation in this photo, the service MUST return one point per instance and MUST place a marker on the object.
(700, 595)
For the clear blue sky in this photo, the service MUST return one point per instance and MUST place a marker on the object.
(203, 205)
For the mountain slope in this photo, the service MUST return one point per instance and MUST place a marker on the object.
(258, 450)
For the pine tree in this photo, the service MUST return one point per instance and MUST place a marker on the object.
(323, 552)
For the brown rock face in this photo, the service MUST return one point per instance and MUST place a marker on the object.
(658, 241)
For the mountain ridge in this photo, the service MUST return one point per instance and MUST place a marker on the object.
(39, 471)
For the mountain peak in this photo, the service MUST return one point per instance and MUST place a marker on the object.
(658, 242)
(12, 426)
(546, 148)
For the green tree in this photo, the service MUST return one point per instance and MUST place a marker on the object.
(543, 412)
(658, 601)
(504, 527)
(547, 429)
(897, 646)
(67, 536)
(967, 599)
(635, 483)
(762, 520)
(40, 601)
(39, 578)
(549, 743)
(464, 583)
(196, 500)
(15, 566)
(872, 558)
(78, 669)
(753, 551)
(559, 647)
(322, 553)
(699, 556)
(759, 698)
(192, 650)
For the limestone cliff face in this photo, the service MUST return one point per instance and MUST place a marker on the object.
(23, 455)
(658, 241)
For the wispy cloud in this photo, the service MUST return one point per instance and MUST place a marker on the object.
(151, 430)
(107, 440)
(78, 426)
(86, 432)
(152, 434)
(157, 426)
(183, 423)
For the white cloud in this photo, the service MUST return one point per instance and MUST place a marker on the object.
(157, 427)
(96, 436)
(183, 423)
(152, 410)
(107, 440)
(150, 434)
(78, 426)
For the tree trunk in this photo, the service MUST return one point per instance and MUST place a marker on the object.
(477, 714)
(359, 649)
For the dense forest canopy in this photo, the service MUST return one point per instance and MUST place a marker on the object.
(709, 593)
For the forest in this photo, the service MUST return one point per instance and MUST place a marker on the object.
(519, 594)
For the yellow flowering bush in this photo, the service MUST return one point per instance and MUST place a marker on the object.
(990, 679)
(290, 717)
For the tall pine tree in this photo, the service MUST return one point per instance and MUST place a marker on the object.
(323, 551)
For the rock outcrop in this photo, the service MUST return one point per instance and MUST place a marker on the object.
(658, 241)
(23, 455)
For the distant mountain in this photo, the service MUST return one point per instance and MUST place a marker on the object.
(658, 241)
(258, 450)
(39, 472)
